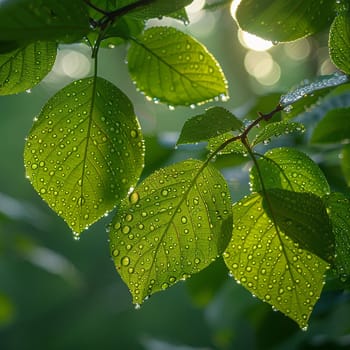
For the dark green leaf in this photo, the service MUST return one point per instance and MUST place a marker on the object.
(339, 42)
(235, 147)
(215, 121)
(204, 285)
(280, 20)
(334, 127)
(277, 129)
(345, 163)
(25, 67)
(27, 21)
(119, 32)
(264, 104)
(289, 169)
(269, 264)
(302, 217)
(172, 67)
(159, 8)
(338, 207)
(85, 151)
(307, 89)
(175, 223)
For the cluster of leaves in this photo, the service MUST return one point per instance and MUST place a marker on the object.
(85, 153)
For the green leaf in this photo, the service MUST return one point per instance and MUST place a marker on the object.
(172, 67)
(345, 163)
(27, 21)
(175, 223)
(338, 207)
(215, 121)
(289, 169)
(339, 42)
(281, 21)
(277, 129)
(25, 67)
(263, 104)
(159, 8)
(235, 147)
(85, 151)
(269, 264)
(203, 286)
(302, 217)
(333, 128)
(307, 89)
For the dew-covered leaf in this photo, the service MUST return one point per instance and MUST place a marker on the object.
(339, 42)
(25, 67)
(281, 21)
(215, 121)
(27, 21)
(307, 89)
(159, 8)
(270, 265)
(338, 207)
(334, 127)
(345, 163)
(302, 217)
(170, 66)
(277, 129)
(174, 224)
(85, 151)
(235, 147)
(289, 169)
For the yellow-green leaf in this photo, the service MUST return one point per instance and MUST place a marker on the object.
(174, 224)
(270, 265)
(85, 151)
(171, 67)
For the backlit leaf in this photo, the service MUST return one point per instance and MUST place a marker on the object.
(25, 67)
(339, 42)
(277, 129)
(27, 21)
(345, 163)
(85, 151)
(172, 67)
(334, 127)
(280, 20)
(270, 265)
(213, 122)
(289, 169)
(338, 207)
(302, 217)
(174, 224)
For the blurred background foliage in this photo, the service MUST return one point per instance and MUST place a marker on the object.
(59, 293)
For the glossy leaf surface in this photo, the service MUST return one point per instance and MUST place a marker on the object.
(334, 127)
(174, 224)
(213, 122)
(319, 86)
(270, 265)
(85, 151)
(277, 129)
(26, 67)
(171, 67)
(280, 20)
(338, 207)
(339, 42)
(287, 168)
